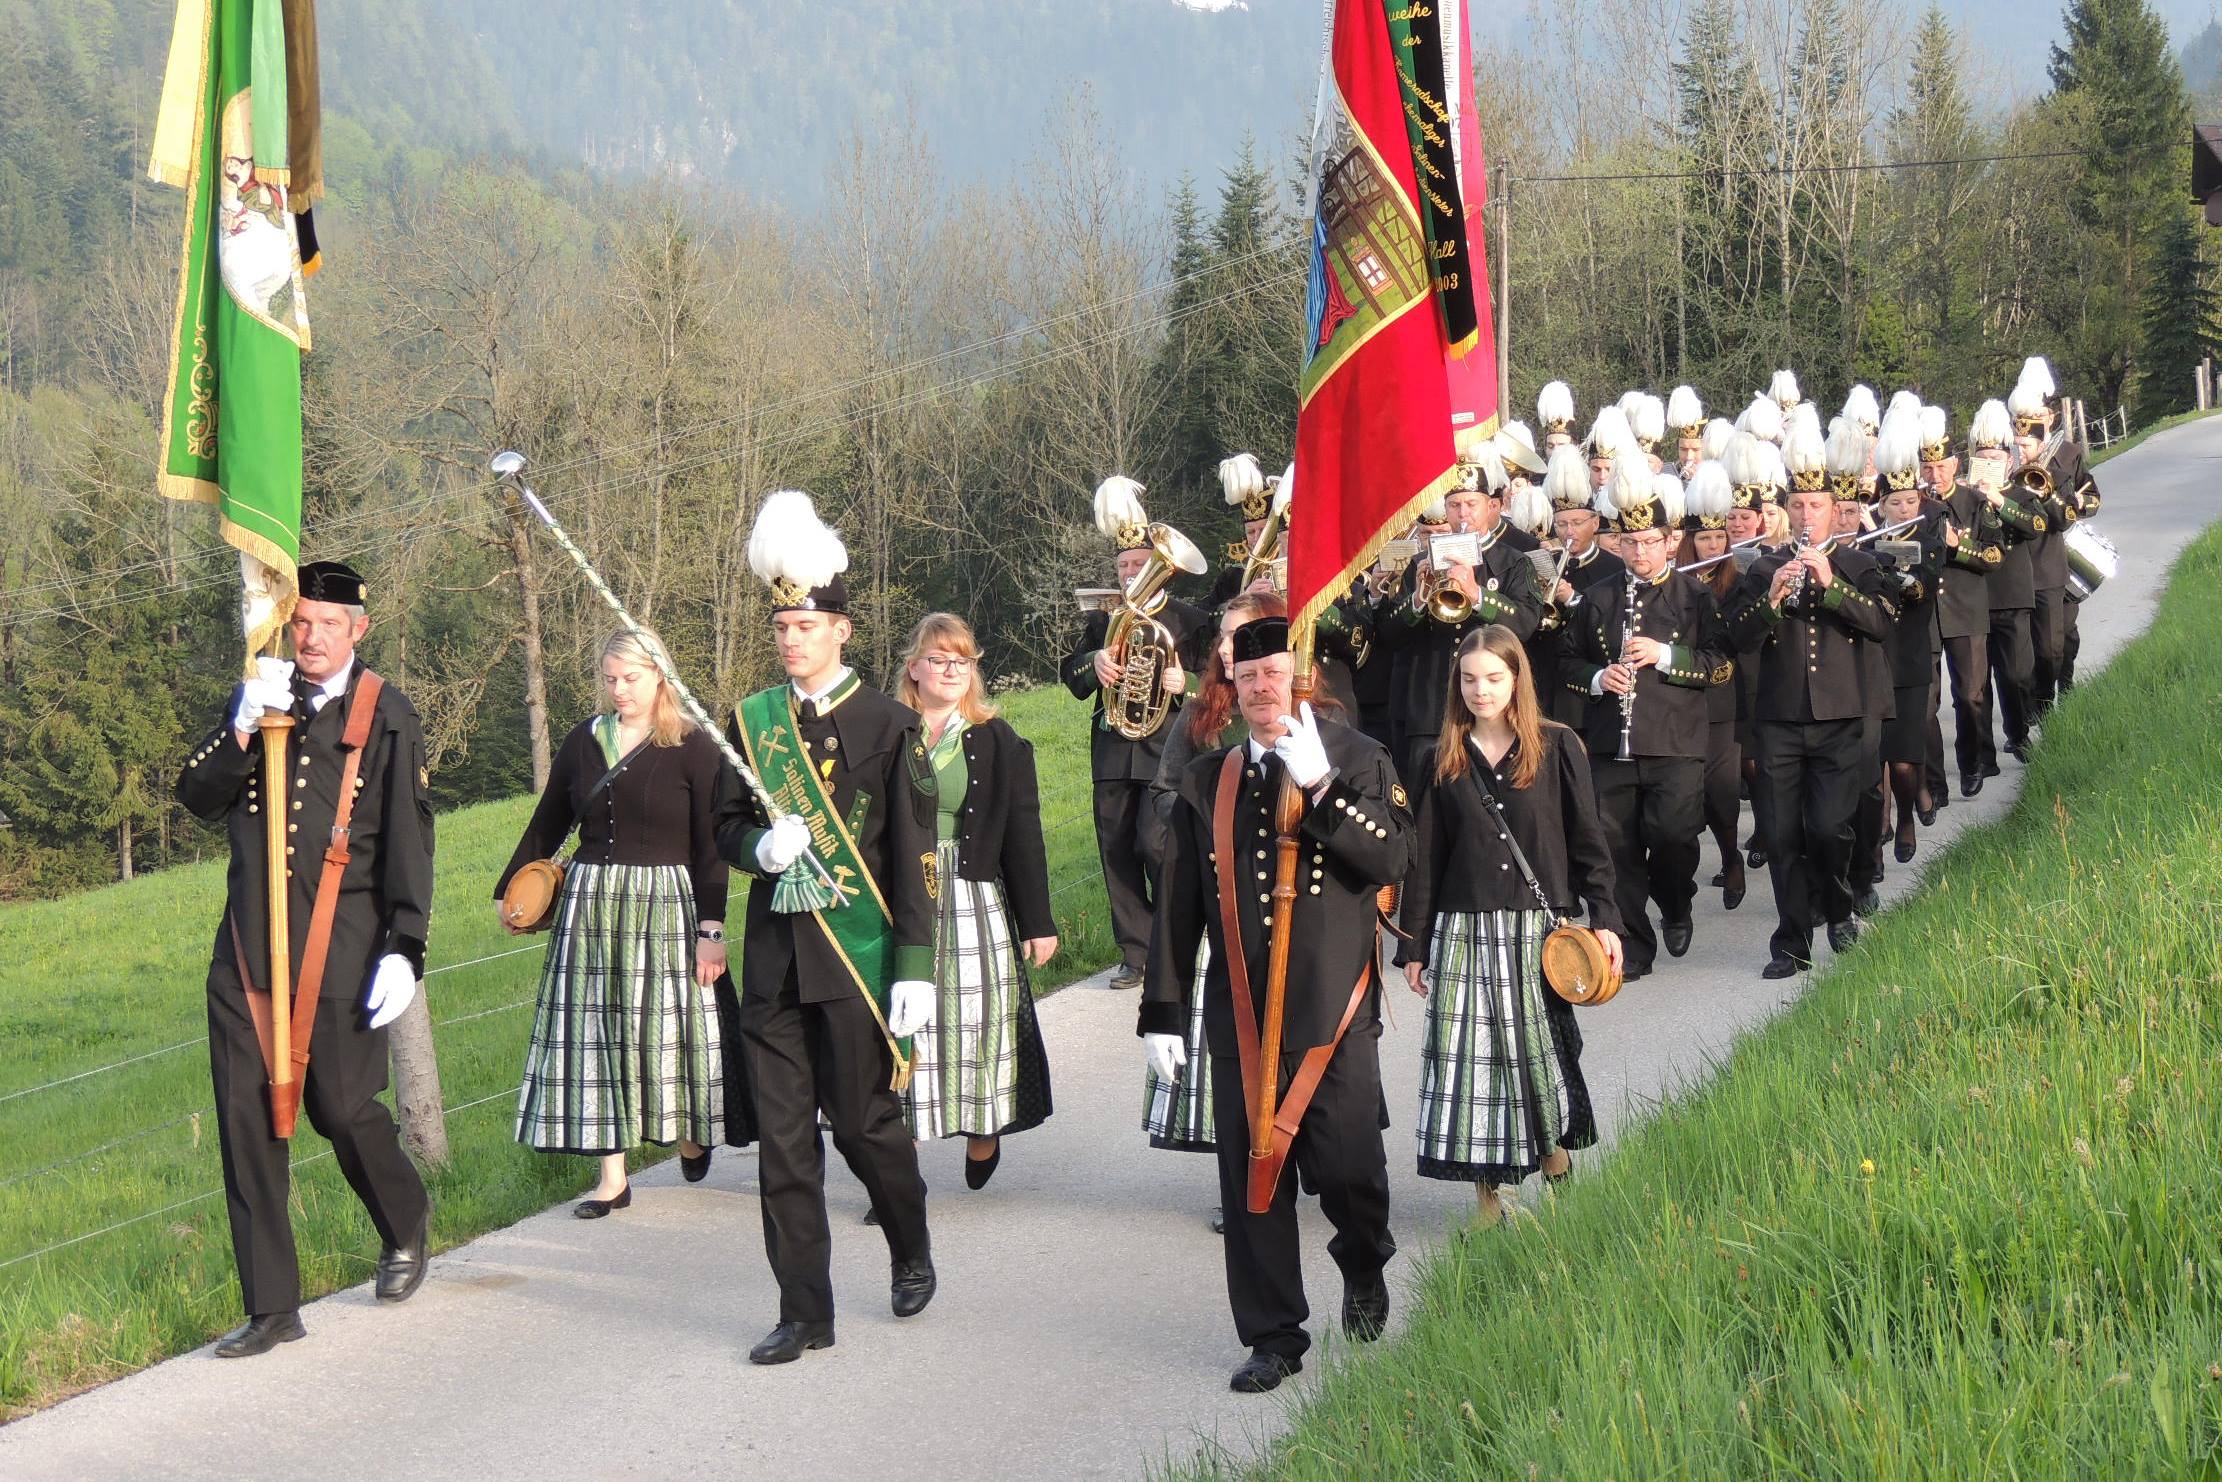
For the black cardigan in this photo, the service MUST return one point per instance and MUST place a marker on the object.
(1463, 862)
(662, 808)
(999, 827)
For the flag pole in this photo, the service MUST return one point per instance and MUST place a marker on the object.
(285, 1091)
(1288, 812)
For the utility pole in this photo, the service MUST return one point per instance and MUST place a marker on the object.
(1504, 297)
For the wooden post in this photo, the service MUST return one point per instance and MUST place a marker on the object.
(277, 789)
(1504, 298)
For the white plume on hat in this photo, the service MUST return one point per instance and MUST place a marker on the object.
(1683, 409)
(1773, 470)
(1719, 433)
(1708, 495)
(1762, 419)
(1897, 448)
(1566, 479)
(1804, 414)
(1805, 453)
(1861, 408)
(1516, 445)
(1240, 478)
(1434, 512)
(1666, 488)
(789, 541)
(1628, 485)
(1846, 453)
(1489, 464)
(2026, 400)
(1610, 434)
(1529, 509)
(1627, 404)
(1648, 417)
(2036, 372)
(1992, 426)
(1284, 489)
(1742, 460)
(1784, 389)
(1936, 429)
(1902, 402)
(1555, 404)
(1119, 505)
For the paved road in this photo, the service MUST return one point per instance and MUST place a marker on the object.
(1081, 1328)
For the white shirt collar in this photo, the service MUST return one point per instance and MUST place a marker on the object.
(335, 688)
(806, 697)
(1258, 749)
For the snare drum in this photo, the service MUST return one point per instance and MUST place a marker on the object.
(2092, 558)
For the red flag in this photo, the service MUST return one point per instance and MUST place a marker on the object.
(1373, 423)
(1474, 408)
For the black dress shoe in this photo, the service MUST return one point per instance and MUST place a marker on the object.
(1126, 977)
(1732, 891)
(977, 1171)
(1903, 849)
(1866, 903)
(401, 1271)
(260, 1335)
(1720, 878)
(1756, 858)
(1780, 966)
(1263, 1371)
(1971, 783)
(1990, 769)
(695, 1167)
(1843, 933)
(594, 1209)
(1365, 1313)
(1218, 1220)
(1676, 935)
(2019, 751)
(1928, 816)
(790, 1341)
(1631, 971)
(912, 1288)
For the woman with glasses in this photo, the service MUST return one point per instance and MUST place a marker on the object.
(980, 1071)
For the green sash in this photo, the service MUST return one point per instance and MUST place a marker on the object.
(858, 923)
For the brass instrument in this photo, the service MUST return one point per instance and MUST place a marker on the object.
(1389, 567)
(2036, 474)
(1441, 598)
(1554, 616)
(1096, 599)
(1259, 560)
(1136, 706)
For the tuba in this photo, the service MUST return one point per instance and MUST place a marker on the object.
(1135, 707)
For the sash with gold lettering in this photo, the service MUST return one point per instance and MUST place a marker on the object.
(858, 923)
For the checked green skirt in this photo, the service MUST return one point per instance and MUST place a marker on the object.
(1500, 1070)
(1177, 1113)
(981, 1069)
(624, 1043)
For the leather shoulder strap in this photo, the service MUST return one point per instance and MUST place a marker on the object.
(360, 714)
(1230, 921)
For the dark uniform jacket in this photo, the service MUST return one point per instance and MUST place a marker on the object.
(1912, 592)
(1594, 565)
(2020, 521)
(385, 894)
(663, 807)
(1421, 650)
(1465, 864)
(867, 749)
(1671, 712)
(999, 825)
(1964, 600)
(1112, 757)
(1812, 653)
(1355, 839)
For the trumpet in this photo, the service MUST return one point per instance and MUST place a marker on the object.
(1440, 597)
(1136, 706)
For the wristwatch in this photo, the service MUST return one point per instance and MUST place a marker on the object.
(709, 933)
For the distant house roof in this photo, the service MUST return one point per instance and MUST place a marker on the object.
(2206, 169)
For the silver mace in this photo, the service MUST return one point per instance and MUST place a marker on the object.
(509, 467)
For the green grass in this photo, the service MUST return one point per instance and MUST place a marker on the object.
(117, 973)
(1956, 1214)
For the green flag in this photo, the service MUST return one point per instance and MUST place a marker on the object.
(231, 424)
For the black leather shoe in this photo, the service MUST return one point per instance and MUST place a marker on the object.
(260, 1335)
(1756, 858)
(1866, 903)
(1990, 769)
(1732, 890)
(1779, 966)
(1928, 816)
(1676, 935)
(594, 1209)
(401, 1271)
(1843, 933)
(1971, 783)
(1720, 878)
(790, 1341)
(1365, 1313)
(696, 1167)
(1631, 971)
(1218, 1220)
(1126, 977)
(913, 1287)
(2019, 751)
(977, 1171)
(1263, 1371)
(1903, 849)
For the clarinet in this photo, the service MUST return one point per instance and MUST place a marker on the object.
(1627, 700)
(1796, 589)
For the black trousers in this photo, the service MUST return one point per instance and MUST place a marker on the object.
(2013, 662)
(2071, 644)
(1653, 809)
(1932, 764)
(1338, 1147)
(1811, 774)
(1864, 867)
(1968, 661)
(811, 1059)
(2048, 638)
(1120, 807)
(347, 1070)
(1724, 762)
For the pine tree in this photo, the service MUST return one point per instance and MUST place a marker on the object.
(2182, 322)
(1933, 232)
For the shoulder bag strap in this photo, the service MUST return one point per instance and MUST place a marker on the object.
(360, 714)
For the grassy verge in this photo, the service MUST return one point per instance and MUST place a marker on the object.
(1957, 1213)
(115, 974)
(2111, 449)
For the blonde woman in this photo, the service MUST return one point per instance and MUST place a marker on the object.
(979, 1072)
(625, 1043)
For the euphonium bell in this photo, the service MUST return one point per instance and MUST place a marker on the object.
(1135, 707)
(1444, 600)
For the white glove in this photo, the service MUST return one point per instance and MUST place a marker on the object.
(392, 989)
(783, 843)
(270, 690)
(1300, 749)
(1167, 1054)
(910, 1007)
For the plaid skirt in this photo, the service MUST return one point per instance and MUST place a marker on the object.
(1500, 1072)
(624, 1043)
(980, 1071)
(1177, 1113)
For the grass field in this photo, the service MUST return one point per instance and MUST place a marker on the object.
(1956, 1214)
(116, 975)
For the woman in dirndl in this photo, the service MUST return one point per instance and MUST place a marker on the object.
(1501, 1088)
(625, 1040)
(980, 1071)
